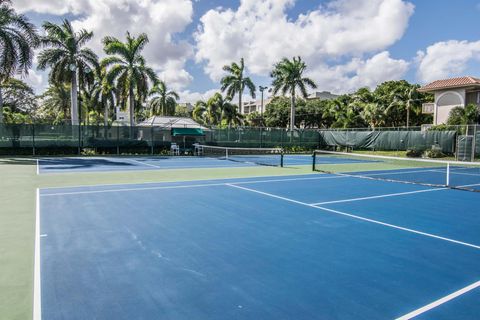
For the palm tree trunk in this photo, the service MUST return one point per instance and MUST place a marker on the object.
(131, 106)
(74, 99)
(408, 114)
(105, 113)
(240, 100)
(1, 106)
(292, 111)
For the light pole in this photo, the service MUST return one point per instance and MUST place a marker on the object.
(261, 90)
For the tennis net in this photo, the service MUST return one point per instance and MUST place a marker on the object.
(260, 156)
(451, 174)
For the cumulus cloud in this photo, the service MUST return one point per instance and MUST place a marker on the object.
(160, 19)
(358, 73)
(261, 32)
(193, 97)
(446, 59)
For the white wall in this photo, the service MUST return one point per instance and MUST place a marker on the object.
(445, 101)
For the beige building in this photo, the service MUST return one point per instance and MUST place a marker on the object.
(254, 106)
(450, 93)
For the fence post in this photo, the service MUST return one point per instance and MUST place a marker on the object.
(118, 140)
(474, 142)
(152, 140)
(33, 138)
(79, 137)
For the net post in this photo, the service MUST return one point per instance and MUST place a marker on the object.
(281, 158)
(314, 157)
(448, 175)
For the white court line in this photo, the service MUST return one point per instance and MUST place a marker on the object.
(37, 291)
(142, 163)
(359, 217)
(439, 302)
(182, 186)
(379, 196)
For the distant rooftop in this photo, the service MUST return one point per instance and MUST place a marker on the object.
(171, 122)
(450, 84)
(324, 95)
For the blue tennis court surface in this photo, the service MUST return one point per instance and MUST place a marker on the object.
(298, 247)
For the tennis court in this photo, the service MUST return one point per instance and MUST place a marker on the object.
(317, 246)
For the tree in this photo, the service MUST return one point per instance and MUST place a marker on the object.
(18, 96)
(276, 112)
(103, 94)
(460, 116)
(69, 61)
(57, 99)
(163, 101)
(18, 38)
(128, 71)
(287, 77)
(199, 112)
(230, 114)
(235, 82)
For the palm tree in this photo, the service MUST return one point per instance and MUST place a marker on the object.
(409, 98)
(231, 115)
(199, 112)
(103, 94)
(164, 101)
(128, 71)
(69, 62)
(287, 76)
(18, 37)
(57, 98)
(235, 83)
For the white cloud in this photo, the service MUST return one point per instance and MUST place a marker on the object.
(261, 32)
(446, 59)
(54, 7)
(160, 19)
(358, 73)
(193, 97)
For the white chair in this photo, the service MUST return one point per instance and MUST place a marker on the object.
(174, 149)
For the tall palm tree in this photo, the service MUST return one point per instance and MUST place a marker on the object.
(57, 98)
(18, 37)
(68, 59)
(231, 115)
(199, 112)
(163, 101)
(127, 68)
(235, 82)
(103, 94)
(409, 98)
(287, 77)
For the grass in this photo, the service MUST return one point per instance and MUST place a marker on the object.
(19, 182)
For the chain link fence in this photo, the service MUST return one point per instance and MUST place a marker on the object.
(463, 142)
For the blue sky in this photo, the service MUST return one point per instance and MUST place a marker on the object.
(346, 43)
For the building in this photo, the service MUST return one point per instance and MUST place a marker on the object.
(323, 95)
(254, 106)
(451, 93)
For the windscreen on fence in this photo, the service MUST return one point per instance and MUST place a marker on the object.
(389, 140)
(68, 139)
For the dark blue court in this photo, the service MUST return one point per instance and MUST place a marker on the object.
(292, 247)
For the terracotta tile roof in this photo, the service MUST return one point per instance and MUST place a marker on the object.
(450, 83)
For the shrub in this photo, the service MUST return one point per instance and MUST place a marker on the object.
(414, 153)
(433, 153)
